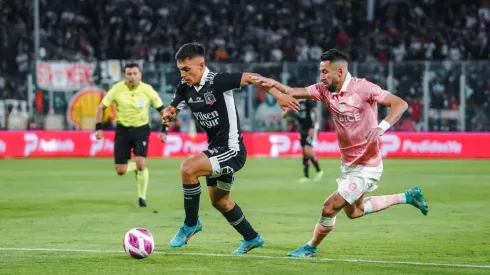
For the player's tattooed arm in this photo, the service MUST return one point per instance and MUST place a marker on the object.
(397, 107)
(299, 93)
(249, 79)
(268, 83)
(285, 101)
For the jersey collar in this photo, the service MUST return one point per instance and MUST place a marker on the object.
(347, 80)
(131, 88)
(203, 79)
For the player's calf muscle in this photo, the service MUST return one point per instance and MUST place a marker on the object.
(140, 163)
(223, 205)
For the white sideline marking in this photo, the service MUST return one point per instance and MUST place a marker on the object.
(251, 256)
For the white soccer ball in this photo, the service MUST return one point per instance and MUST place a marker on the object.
(138, 243)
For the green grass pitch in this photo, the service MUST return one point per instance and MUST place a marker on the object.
(68, 216)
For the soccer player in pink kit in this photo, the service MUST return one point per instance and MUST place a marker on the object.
(352, 103)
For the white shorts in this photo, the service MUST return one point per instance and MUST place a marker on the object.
(357, 180)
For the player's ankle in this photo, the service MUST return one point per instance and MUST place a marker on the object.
(312, 244)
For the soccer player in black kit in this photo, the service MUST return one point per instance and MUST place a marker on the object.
(307, 121)
(209, 95)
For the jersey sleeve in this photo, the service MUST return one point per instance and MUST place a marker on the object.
(316, 91)
(227, 81)
(179, 98)
(108, 99)
(156, 101)
(372, 92)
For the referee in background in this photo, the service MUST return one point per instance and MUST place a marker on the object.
(132, 98)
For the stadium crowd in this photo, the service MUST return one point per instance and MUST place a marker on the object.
(257, 31)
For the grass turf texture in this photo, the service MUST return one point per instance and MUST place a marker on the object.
(80, 204)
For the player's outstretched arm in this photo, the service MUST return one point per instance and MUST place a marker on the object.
(298, 93)
(286, 101)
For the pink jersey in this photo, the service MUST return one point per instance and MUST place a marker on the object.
(354, 111)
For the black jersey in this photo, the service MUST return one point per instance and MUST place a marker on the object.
(304, 115)
(213, 106)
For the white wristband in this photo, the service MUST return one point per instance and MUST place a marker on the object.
(385, 125)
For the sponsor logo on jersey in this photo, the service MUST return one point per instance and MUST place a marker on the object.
(197, 100)
(341, 107)
(346, 118)
(207, 120)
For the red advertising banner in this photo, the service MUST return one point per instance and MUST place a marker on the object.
(62, 76)
(393, 144)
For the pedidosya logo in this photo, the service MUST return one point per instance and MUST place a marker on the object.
(84, 104)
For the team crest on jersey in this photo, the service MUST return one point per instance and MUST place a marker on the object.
(210, 99)
(341, 107)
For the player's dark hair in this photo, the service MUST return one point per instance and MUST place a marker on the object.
(189, 50)
(131, 65)
(333, 55)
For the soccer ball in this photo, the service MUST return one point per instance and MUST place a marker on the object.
(138, 243)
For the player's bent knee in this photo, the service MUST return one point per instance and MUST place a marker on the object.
(121, 169)
(332, 205)
(187, 169)
(354, 213)
(329, 211)
(308, 151)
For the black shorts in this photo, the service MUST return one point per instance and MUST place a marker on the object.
(225, 162)
(130, 139)
(306, 140)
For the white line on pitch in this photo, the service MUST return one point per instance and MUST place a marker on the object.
(251, 256)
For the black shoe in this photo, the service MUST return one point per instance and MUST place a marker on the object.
(141, 202)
